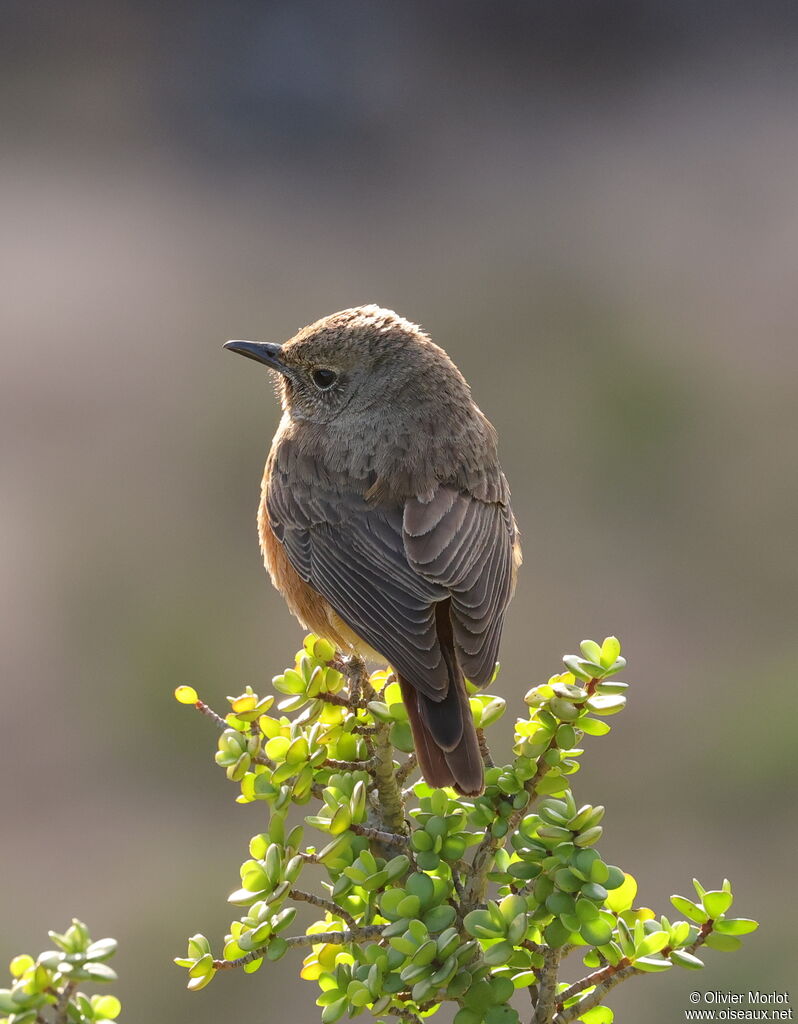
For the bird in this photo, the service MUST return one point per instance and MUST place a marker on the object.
(385, 518)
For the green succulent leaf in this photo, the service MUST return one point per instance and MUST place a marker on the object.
(735, 926)
(690, 909)
(716, 902)
(654, 942)
(684, 959)
(652, 964)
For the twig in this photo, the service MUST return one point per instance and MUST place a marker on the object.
(596, 978)
(351, 766)
(62, 1006)
(607, 978)
(320, 938)
(547, 987)
(262, 759)
(405, 769)
(392, 807)
(379, 835)
(352, 668)
(487, 760)
(210, 713)
(404, 1014)
(323, 904)
(612, 976)
(341, 702)
(701, 938)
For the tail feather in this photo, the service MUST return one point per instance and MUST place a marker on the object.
(430, 756)
(444, 719)
(446, 740)
(443, 731)
(461, 766)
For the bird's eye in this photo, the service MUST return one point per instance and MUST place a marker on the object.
(324, 379)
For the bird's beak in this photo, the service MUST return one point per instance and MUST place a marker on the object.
(265, 352)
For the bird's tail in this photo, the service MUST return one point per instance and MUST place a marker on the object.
(443, 731)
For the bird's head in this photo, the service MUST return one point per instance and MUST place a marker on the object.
(353, 361)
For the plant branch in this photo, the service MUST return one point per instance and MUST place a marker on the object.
(320, 938)
(62, 1006)
(391, 801)
(487, 759)
(404, 770)
(342, 702)
(353, 669)
(404, 1014)
(611, 976)
(604, 979)
(547, 987)
(351, 766)
(262, 759)
(607, 978)
(309, 858)
(210, 713)
(379, 835)
(323, 904)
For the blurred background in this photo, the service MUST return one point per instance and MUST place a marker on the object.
(594, 208)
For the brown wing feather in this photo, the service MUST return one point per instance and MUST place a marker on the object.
(354, 555)
(467, 546)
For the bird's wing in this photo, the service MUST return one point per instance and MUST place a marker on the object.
(354, 555)
(465, 545)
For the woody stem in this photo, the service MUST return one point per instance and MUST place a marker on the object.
(389, 789)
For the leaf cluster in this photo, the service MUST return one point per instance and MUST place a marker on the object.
(426, 897)
(44, 989)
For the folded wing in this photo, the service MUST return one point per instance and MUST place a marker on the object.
(384, 570)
